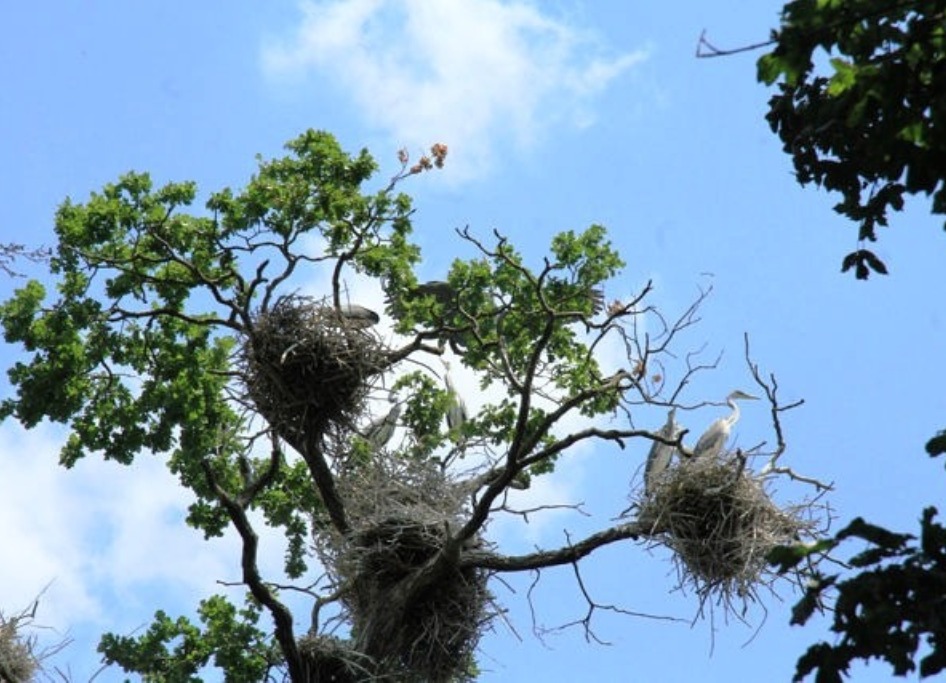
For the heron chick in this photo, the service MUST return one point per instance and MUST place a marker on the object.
(660, 456)
(380, 430)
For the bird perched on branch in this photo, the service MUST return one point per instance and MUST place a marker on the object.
(564, 295)
(658, 460)
(596, 295)
(442, 292)
(711, 443)
(380, 430)
(447, 316)
(456, 413)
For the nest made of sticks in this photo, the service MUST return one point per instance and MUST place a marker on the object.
(720, 521)
(401, 515)
(307, 367)
(328, 658)
(17, 662)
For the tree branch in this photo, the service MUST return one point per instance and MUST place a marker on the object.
(706, 50)
(251, 576)
(552, 558)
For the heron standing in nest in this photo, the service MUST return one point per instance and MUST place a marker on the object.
(658, 460)
(711, 443)
(358, 317)
(380, 430)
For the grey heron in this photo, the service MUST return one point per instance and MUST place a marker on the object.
(562, 293)
(441, 291)
(456, 413)
(711, 443)
(444, 295)
(380, 430)
(596, 295)
(357, 316)
(658, 460)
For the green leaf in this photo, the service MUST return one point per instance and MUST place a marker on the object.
(812, 600)
(769, 68)
(845, 77)
(877, 535)
(785, 557)
(849, 261)
(820, 657)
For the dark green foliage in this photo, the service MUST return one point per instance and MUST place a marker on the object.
(861, 109)
(892, 609)
(861, 106)
(937, 445)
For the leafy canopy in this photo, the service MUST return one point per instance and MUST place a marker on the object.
(861, 106)
(136, 350)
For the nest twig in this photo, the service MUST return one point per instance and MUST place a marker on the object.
(306, 367)
(401, 516)
(327, 658)
(720, 521)
(17, 661)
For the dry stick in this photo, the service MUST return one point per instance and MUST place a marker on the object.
(713, 51)
(771, 391)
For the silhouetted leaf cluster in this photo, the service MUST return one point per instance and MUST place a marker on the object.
(872, 126)
(892, 609)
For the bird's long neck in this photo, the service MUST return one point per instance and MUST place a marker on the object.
(734, 416)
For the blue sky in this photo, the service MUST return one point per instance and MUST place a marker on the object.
(557, 115)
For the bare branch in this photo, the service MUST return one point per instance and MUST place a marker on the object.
(593, 606)
(551, 558)
(12, 251)
(706, 50)
(769, 469)
(771, 390)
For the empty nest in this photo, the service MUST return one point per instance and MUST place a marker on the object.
(401, 515)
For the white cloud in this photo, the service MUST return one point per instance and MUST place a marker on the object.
(41, 524)
(108, 539)
(474, 74)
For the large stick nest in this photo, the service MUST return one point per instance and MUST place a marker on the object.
(720, 522)
(401, 515)
(328, 658)
(307, 367)
(17, 662)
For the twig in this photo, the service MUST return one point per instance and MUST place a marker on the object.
(706, 50)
